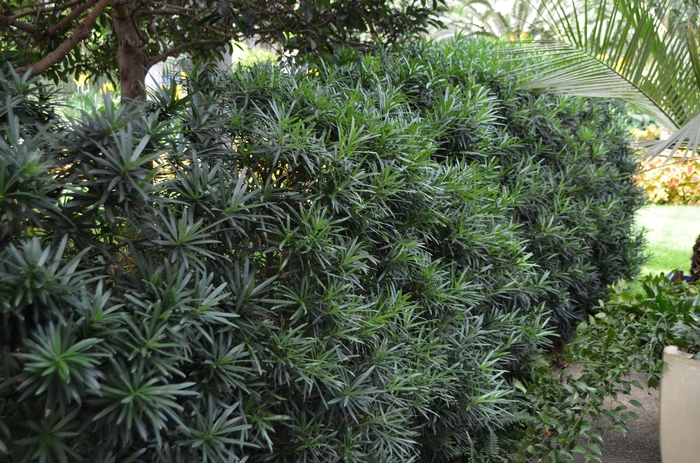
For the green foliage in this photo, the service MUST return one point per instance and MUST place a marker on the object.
(564, 167)
(518, 20)
(359, 260)
(588, 58)
(29, 32)
(638, 321)
(627, 334)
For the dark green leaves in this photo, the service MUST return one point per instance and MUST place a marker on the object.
(141, 400)
(57, 363)
(215, 434)
(46, 442)
(360, 260)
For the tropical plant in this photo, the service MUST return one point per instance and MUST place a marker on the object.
(628, 334)
(358, 260)
(632, 328)
(480, 17)
(643, 52)
(123, 39)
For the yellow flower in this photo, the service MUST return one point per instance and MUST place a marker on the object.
(82, 80)
(107, 87)
(179, 92)
(523, 35)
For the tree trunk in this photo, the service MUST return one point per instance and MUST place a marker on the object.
(131, 57)
(695, 261)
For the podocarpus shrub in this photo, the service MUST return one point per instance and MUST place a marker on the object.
(350, 261)
(564, 165)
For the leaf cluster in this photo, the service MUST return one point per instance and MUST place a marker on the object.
(627, 335)
(352, 260)
(205, 30)
(644, 53)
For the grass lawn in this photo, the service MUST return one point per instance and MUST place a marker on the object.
(671, 233)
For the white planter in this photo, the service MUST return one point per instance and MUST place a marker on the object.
(679, 408)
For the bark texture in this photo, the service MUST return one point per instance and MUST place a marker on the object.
(695, 261)
(131, 57)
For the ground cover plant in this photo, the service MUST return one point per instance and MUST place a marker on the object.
(632, 328)
(361, 259)
(671, 181)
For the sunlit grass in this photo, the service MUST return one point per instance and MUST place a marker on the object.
(671, 233)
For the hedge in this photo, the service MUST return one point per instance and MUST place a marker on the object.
(359, 259)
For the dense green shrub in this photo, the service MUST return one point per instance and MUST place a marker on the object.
(564, 164)
(350, 261)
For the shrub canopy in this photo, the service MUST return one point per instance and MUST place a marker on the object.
(354, 260)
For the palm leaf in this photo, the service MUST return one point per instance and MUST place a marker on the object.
(644, 52)
(482, 17)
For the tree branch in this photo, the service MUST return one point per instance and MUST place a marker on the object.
(179, 7)
(81, 32)
(37, 8)
(182, 48)
(68, 19)
(17, 24)
(172, 9)
(163, 12)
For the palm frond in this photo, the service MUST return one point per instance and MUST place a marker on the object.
(574, 72)
(484, 17)
(643, 52)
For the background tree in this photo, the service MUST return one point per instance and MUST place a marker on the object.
(517, 19)
(123, 38)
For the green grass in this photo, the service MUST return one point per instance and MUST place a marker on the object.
(671, 233)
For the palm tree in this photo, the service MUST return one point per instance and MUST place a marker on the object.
(488, 17)
(645, 52)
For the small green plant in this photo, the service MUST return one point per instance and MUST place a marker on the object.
(247, 56)
(86, 96)
(627, 334)
(631, 330)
